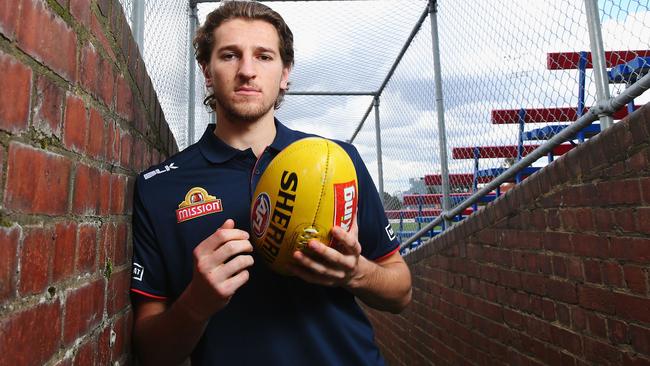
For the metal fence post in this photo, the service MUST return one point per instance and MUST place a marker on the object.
(137, 20)
(440, 109)
(192, 77)
(380, 167)
(598, 58)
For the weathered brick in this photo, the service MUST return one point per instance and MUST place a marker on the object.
(590, 245)
(113, 142)
(104, 192)
(640, 339)
(620, 192)
(600, 352)
(643, 220)
(85, 353)
(630, 248)
(87, 248)
(100, 34)
(75, 124)
(37, 181)
(118, 292)
(618, 331)
(645, 188)
(612, 274)
(563, 291)
(121, 244)
(106, 82)
(16, 80)
(80, 9)
(126, 156)
(31, 336)
(635, 278)
(97, 132)
(83, 310)
(8, 259)
(597, 325)
(594, 298)
(9, 11)
(48, 107)
(44, 35)
(124, 105)
(632, 307)
(64, 250)
(85, 199)
(35, 260)
(103, 347)
(118, 190)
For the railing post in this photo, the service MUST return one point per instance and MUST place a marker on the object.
(598, 58)
(380, 167)
(440, 109)
(192, 78)
(137, 21)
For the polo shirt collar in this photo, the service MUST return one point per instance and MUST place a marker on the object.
(217, 151)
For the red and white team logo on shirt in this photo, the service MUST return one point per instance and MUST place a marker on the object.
(345, 204)
(197, 203)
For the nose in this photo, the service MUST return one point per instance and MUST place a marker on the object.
(247, 67)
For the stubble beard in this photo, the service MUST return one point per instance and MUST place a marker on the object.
(243, 111)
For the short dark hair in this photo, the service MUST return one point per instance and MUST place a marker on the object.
(204, 40)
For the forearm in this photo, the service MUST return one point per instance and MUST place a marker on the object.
(385, 286)
(167, 338)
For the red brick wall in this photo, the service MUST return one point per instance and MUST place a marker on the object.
(76, 102)
(553, 273)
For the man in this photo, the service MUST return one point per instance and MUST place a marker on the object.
(197, 288)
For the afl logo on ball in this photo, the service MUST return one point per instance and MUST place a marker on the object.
(261, 214)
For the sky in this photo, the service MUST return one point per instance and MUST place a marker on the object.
(493, 56)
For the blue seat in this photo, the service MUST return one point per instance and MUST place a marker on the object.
(547, 132)
(495, 172)
(629, 71)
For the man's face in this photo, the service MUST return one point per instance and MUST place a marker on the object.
(245, 70)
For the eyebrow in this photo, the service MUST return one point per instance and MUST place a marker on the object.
(236, 48)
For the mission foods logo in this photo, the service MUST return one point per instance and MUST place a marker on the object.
(345, 204)
(261, 214)
(197, 203)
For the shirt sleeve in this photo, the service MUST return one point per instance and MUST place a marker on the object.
(376, 235)
(148, 271)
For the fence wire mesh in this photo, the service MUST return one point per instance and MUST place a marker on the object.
(513, 74)
(166, 45)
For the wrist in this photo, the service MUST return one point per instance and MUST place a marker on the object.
(365, 270)
(189, 308)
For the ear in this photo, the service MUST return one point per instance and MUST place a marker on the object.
(284, 80)
(206, 74)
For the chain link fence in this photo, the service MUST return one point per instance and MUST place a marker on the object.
(512, 74)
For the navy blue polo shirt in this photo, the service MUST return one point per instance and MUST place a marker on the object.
(272, 319)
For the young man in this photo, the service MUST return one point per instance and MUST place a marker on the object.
(197, 289)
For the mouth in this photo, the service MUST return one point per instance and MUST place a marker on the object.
(247, 90)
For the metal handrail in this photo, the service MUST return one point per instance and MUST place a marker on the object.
(603, 108)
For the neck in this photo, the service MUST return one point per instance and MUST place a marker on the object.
(257, 134)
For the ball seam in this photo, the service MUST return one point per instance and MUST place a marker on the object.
(324, 183)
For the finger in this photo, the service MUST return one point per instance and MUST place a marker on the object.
(308, 275)
(222, 235)
(317, 267)
(228, 287)
(229, 250)
(231, 268)
(347, 241)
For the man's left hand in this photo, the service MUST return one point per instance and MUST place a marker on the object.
(331, 266)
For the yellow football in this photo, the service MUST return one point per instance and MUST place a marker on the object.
(308, 188)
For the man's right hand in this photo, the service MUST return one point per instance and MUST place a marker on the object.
(220, 269)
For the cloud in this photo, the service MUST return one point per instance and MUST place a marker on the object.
(493, 56)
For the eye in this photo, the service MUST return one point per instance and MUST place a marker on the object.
(228, 56)
(265, 57)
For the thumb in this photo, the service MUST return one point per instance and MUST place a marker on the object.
(228, 224)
